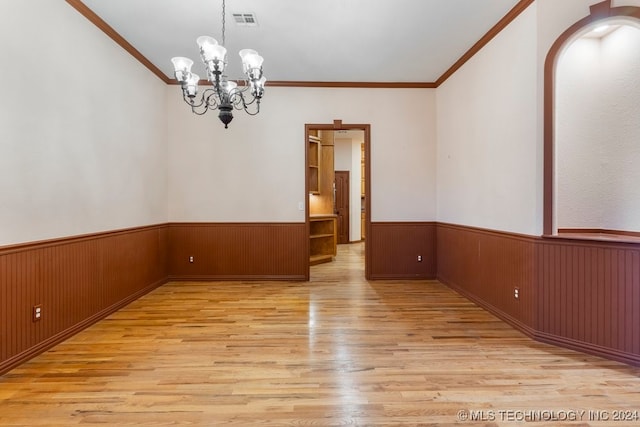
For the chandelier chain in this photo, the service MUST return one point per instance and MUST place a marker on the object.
(224, 22)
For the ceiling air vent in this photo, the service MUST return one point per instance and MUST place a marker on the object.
(245, 19)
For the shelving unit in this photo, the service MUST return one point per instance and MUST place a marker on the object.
(314, 164)
(323, 238)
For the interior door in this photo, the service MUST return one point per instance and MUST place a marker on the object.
(342, 205)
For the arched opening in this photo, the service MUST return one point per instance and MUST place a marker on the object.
(592, 126)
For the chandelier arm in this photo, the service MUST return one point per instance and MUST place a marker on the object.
(240, 102)
(247, 104)
(246, 110)
(199, 109)
(209, 98)
(199, 113)
(196, 108)
(206, 102)
(191, 102)
(236, 101)
(243, 85)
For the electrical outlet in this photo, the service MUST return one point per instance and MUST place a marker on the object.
(191, 259)
(516, 293)
(37, 312)
(419, 258)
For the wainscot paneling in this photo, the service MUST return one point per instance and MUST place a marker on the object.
(76, 281)
(395, 247)
(238, 251)
(589, 296)
(581, 294)
(487, 267)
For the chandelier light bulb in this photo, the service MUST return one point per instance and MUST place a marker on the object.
(210, 50)
(218, 53)
(192, 85)
(182, 67)
(246, 52)
(230, 87)
(254, 61)
(257, 87)
(250, 59)
(206, 41)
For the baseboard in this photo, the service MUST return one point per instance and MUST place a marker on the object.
(379, 276)
(596, 350)
(236, 278)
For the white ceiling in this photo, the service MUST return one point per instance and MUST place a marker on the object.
(312, 40)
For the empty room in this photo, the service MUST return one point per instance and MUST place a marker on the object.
(328, 213)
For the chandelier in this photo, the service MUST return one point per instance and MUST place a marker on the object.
(225, 94)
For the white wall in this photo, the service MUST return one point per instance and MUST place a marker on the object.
(254, 171)
(357, 203)
(347, 158)
(487, 145)
(490, 123)
(92, 154)
(82, 128)
(598, 132)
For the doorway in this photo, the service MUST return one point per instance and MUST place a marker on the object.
(323, 180)
(341, 207)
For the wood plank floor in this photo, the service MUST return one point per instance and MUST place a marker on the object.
(336, 351)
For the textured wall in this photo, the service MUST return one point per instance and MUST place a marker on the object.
(597, 132)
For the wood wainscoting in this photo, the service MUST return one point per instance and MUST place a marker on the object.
(589, 296)
(487, 266)
(238, 251)
(79, 280)
(395, 247)
(578, 294)
(76, 281)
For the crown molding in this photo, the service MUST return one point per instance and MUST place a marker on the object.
(113, 34)
(494, 31)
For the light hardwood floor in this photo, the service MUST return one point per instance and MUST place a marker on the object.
(336, 351)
